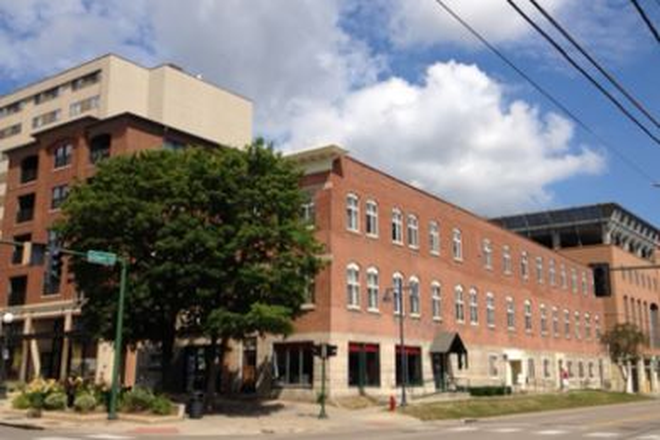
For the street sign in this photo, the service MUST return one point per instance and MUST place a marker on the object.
(102, 258)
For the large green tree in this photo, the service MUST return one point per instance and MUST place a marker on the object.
(211, 235)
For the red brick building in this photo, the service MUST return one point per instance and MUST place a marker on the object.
(522, 312)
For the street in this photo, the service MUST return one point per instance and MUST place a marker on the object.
(639, 421)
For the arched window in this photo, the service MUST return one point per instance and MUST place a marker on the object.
(353, 285)
(457, 244)
(371, 220)
(436, 300)
(352, 213)
(474, 307)
(459, 304)
(490, 310)
(413, 284)
(397, 294)
(372, 289)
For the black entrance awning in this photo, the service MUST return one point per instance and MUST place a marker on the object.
(448, 342)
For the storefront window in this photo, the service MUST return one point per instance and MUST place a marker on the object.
(293, 364)
(363, 364)
(413, 356)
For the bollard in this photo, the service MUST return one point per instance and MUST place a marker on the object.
(392, 403)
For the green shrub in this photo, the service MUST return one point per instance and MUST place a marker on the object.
(161, 405)
(84, 402)
(55, 401)
(22, 401)
(36, 400)
(137, 400)
(498, 390)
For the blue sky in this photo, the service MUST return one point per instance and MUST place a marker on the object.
(397, 83)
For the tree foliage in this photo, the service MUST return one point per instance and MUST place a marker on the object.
(624, 342)
(213, 237)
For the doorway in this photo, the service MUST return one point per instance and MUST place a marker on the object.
(249, 370)
(439, 364)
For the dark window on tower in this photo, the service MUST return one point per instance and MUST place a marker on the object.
(17, 291)
(17, 255)
(293, 364)
(99, 148)
(29, 169)
(25, 211)
(63, 155)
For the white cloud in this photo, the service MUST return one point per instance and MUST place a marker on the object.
(455, 136)
(312, 82)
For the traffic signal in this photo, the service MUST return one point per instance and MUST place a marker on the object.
(331, 350)
(602, 286)
(53, 273)
(316, 350)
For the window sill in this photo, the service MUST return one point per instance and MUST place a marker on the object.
(353, 231)
(491, 326)
(397, 243)
(372, 236)
(458, 260)
(63, 167)
(437, 319)
(354, 308)
(415, 316)
(413, 247)
(434, 253)
(308, 306)
(374, 311)
(474, 324)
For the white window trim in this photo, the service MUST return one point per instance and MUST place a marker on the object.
(473, 294)
(350, 304)
(412, 231)
(397, 213)
(414, 280)
(371, 203)
(355, 212)
(487, 250)
(510, 309)
(436, 295)
(528, 316)
(506, 260)
(434, 238)
(395, 302)
(490, 306)
(373, 271)
(458, 288)
(457, 244)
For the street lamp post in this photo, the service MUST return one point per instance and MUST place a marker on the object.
(7, 318)
(402, 345)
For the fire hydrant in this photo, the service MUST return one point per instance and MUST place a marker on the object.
(392, 403)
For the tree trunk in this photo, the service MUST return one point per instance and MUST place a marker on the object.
(626, 374)
(167, 353)
(211, 371)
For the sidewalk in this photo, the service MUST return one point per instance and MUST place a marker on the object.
(272, 417)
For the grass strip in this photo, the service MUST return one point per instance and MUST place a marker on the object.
(497, 406)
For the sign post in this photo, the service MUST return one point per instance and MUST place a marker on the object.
(324, 351)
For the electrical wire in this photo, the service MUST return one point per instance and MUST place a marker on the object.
(634, 166)
(595, 63)
(646, 19)
(586, 74)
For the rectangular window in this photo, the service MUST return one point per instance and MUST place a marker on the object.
(490, 310)
(310, 292)
(414, 298)
(436, 301)
(524, 265)
(353, 286)
(574, 281)
(587, 326)
(528, 316)
(546, 368)
(293, 364)
(18, 256)
(84, 106)
(531, 369)
(413, 231)
(10, 131)
(25, 211)
(562, 276)
(308, 212)
(29, 169)
(578, 335)
(567, 324)
(99, 148)
(397, 286)
(474, 307)
(413, 358)
(46, 95)
(11, 109)
(457, 244)
(372, 219)
(555, 322)
(46, 118)
(363, 365)
(487, 251)
(85, 81)
(510, 314)
(506, 259)
(17, 291)
(397, 226)
(372, 289)
(58, 195)
(352, 213)
(492, 366)
(551, 273)
(63, 155)
(585, 285)
(544, 320)
(434, 238)
(539, 270)
(459, 305)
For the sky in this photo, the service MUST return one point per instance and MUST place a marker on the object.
(398, 84)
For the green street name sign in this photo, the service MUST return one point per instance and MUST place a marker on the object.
(102, 258)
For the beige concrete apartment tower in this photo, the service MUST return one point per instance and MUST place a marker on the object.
(111, 85)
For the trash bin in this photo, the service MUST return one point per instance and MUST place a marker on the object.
(196, 405)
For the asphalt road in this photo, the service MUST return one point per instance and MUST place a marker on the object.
(640, 421)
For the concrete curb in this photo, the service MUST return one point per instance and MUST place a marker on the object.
(21, 425)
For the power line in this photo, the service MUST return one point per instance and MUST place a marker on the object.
(646, 19)
(634, 166)
(583, 72)
(601, 69)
